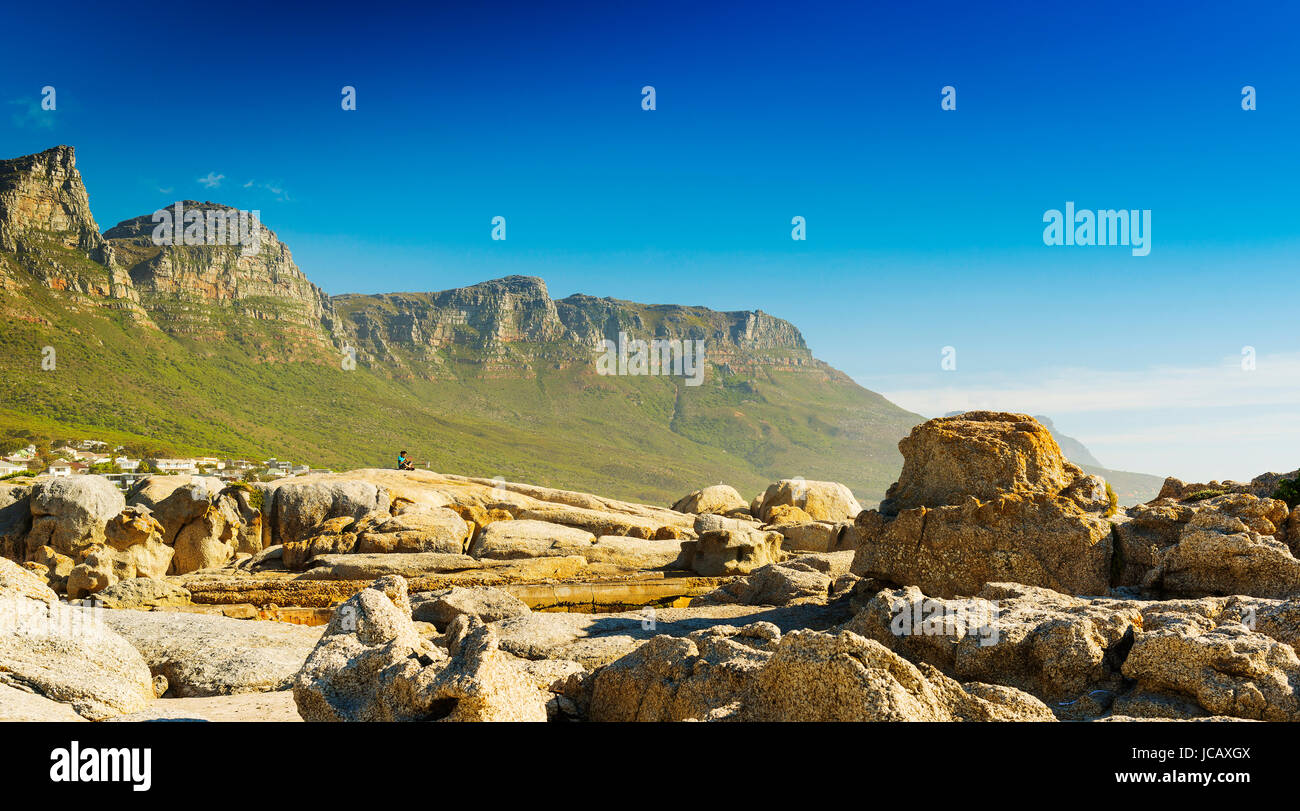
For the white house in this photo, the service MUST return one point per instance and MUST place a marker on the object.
(9, 468)
(126, 464)
(175, 465)
(59, 470)
(122, 480)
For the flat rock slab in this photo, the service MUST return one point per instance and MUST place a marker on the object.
(241, 589)
(243, 707)
(20, 705)
(594, 640)
(591, 597)
(373, 566)
(205, 655)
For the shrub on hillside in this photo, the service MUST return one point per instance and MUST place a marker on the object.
(1288, 490)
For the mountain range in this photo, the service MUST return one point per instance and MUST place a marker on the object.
(214, 349)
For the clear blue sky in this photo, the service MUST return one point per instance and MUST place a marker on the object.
(924, 226)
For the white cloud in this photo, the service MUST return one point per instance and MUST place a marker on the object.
(273, 187)
(1275, 381)
(1196, 422)
(212, 181)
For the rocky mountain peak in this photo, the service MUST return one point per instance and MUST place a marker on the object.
(209, 287)
(231, 277)
(43, 202)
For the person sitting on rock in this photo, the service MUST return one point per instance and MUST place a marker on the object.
(403, 463)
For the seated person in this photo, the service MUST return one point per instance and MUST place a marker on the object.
(403, 463)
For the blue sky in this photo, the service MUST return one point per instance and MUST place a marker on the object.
(924, 226)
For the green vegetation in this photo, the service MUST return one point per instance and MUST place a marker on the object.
(256, 499)
(1202, 495)
(1288, 490)
(1132, 488)
(556, 423)
(1114, 500)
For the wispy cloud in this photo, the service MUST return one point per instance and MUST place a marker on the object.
(27, 114)
(274, 188)
(1275, 381)
(212, 181)
(1197, 422)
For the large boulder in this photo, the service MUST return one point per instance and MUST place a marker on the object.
(132, 548)
(1228, 669)
(636, 553)
(15, 520)
(822, 501)
(1034, 539)
(986, 497)
(813, 578)
(980, 454)
(1228, 544)
(1220, 656)
(143, 592)
(722, 552)
(372, 665)
(336, 536)
(718, 499)
(212, 539)
(69, 514)
(1054, 646)
(296, 508)
(207, 522)
(175, 500)
(775, 584)
(600, 522)
(208, 655)
(756, 674)
(527, 538)
(66, 654)
(488, 604)
(811, 536)
(422, 529)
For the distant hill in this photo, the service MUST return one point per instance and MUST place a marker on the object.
(212, 350)
(1132, 488)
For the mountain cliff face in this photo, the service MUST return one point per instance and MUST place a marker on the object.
(46, 229)
(256, 295)
(261, 300)
(212, 348)
(43, 199)
(513, 322)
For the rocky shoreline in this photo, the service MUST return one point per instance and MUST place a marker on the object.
(996, 581)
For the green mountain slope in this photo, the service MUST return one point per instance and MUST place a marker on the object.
(204, 350)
